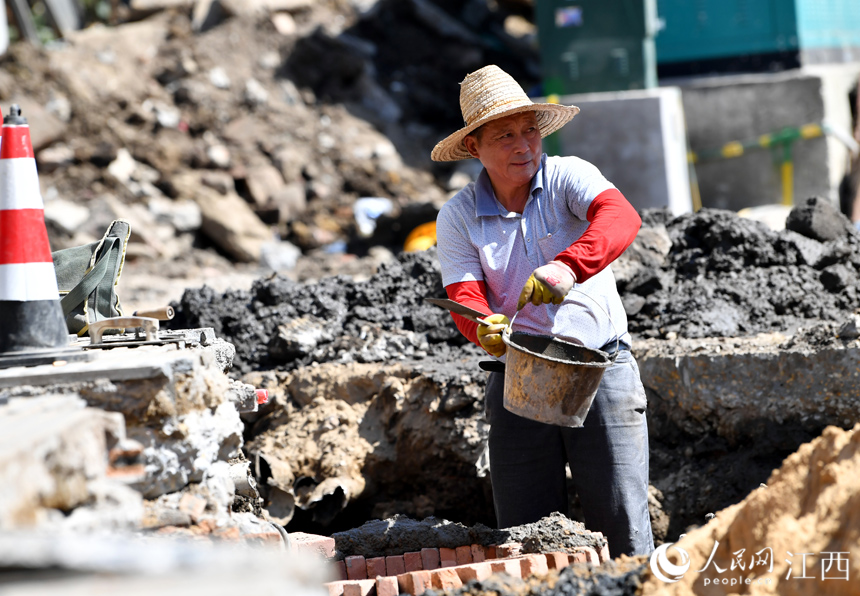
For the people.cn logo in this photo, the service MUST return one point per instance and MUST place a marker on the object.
(665, 569)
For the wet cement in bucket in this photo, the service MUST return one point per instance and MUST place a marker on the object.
(556, 350)
(550, 380)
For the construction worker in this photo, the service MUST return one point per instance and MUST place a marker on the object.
(529, 229)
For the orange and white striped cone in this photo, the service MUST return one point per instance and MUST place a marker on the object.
(31, 318)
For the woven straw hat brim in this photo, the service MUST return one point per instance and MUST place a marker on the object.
(550, 117)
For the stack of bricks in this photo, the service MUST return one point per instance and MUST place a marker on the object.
(448, 568)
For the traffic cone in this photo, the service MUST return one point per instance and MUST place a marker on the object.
(31, 318)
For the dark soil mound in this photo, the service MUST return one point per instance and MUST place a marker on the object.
(283, 324)
(726, 276)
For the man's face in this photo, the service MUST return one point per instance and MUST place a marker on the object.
(510, 150)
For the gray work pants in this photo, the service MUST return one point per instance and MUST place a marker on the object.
(608, 459)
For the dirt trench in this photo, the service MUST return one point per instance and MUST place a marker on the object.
(378, 405)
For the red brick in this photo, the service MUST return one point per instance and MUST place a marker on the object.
(464, 555)
(479, 554)
(394, 565)
(313, 544)
(356, 567)
(446, 578)
(533, 565)
(387, 586)
(511, 549)
(491, 552)
(448, 557)
(578, 557)
(335, 588)
(362, 587)
(591, 554)
(474, 571)
(430, 558)
(413, 562)
(509, 566)
(340, 570)
(264, 538)
(414, 582)
(375, 567)
(557, 560)
(192, 505)
(603, 555)
(227, 533)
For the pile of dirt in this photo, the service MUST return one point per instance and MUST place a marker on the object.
(809, 505)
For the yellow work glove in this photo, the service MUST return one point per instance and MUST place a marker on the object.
(549, 283)
(490, 336)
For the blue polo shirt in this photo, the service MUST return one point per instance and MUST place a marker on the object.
(478, 239)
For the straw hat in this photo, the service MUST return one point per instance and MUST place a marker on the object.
(488, 94)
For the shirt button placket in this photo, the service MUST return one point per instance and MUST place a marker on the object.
(524, 228)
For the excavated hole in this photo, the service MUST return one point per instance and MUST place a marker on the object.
(378, 404)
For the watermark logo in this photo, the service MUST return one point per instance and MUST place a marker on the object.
(740, 567)
(666, 570)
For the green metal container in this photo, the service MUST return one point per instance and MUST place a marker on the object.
(593, 45)
(815, 30)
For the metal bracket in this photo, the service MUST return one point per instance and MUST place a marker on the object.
(149, 326)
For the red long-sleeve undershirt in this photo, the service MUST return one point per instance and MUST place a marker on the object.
(613, 224)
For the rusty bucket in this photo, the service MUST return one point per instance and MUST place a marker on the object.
(551, 380)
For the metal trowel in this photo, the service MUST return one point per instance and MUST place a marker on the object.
(471, 314)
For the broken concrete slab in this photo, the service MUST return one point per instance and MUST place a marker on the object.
(106, 63)
(145, 384)
(128, 564)
(51, 448)
(761, 389)
(178, 405)
(186, 450)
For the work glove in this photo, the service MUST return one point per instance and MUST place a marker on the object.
(549, 283)
(490, 335)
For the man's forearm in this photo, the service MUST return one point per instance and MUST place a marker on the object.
(614, 224)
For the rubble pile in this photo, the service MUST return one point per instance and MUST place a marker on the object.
(252, 128)
(131, 438)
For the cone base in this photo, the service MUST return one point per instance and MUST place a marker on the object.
(32, 325)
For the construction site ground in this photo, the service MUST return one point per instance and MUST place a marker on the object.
(237, 143)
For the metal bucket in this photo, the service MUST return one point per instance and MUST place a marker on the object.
(550, 380)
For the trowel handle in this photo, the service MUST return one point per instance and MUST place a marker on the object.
(164, 313)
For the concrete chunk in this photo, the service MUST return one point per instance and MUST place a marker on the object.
(51, 447)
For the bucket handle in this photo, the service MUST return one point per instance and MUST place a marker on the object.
(613, 356)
